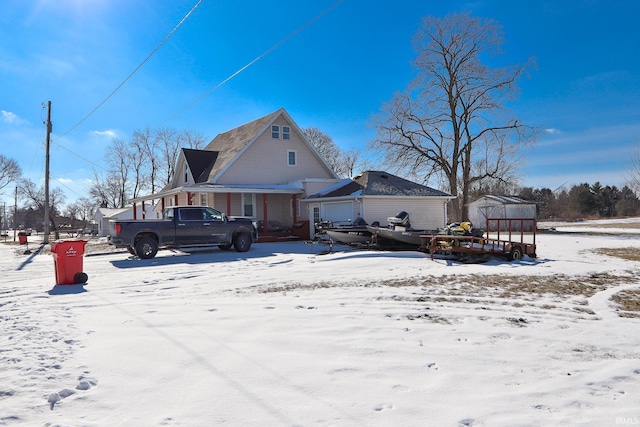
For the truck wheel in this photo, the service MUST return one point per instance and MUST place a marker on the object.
(515, 254)
(225, 247)
(242, 242)
(146, 248)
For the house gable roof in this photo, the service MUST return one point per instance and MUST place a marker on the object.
(378, 183)
(231, 144)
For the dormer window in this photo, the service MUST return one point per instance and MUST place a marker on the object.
(286, 132)
(275, 132)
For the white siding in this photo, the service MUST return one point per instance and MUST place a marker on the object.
(425, 214)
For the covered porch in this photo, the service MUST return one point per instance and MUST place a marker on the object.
(274, 209)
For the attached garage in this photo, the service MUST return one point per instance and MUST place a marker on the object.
(337, 211)
(376, 196)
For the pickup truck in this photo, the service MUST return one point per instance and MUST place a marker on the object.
(182, 226)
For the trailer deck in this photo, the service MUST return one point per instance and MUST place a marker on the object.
(497, 241)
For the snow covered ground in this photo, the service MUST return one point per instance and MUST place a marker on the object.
(287, 335)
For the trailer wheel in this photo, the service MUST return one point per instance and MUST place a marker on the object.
(515, 254)
(146, 248)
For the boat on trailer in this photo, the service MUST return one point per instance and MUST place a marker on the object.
(398, 232)
(349, 232)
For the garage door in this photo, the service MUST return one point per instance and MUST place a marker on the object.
(337, 211)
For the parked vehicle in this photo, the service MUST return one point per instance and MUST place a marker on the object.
(398, 232)
(183, 227)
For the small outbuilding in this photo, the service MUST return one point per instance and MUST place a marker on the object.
(104, 215)
(503, 207)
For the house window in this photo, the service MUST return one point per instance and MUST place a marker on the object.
(203, 199)
(286, 132)
(292, 158)
(186, 174)
(316, 214)
(248, 204)
(275, 131)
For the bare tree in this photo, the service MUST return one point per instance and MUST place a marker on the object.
(106, 191)
(83, 210)
(192, 139)
(35, 197)
(354, 162)
(145, 144)
(633, 178)
(9, 171)
(344, 163)
(169, 146)
(138, 166)
(120, 168)
(450, 123)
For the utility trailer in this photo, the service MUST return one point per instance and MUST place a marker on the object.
(510, 241)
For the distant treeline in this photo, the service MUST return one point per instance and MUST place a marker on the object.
(583, 201)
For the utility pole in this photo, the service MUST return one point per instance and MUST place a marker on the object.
(15, 214)
(46, 175)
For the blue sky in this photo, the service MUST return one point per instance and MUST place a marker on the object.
(334, 74)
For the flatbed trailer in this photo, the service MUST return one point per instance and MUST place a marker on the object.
(497, 241)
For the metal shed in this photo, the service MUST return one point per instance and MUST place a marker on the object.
(504, 207)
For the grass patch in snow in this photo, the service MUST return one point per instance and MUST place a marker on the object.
(628, 302)
(629, 254)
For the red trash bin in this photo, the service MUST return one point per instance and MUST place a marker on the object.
(22, 237)
(67, 260)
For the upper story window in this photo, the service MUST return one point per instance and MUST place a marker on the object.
(292, 158)
(275, 132)
(286, 132)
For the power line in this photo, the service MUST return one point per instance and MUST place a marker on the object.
(259, 57)
(135, 70)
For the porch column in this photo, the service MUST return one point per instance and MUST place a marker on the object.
(264, 213)
(144, 215)
(295, 208)
(135, 215)
(228, 203)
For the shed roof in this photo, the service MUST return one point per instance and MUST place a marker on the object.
(505, 200)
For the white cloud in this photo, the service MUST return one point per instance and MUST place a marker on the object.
(108, 133)
(12, 118)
